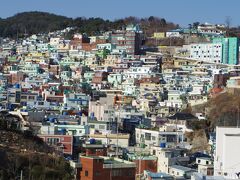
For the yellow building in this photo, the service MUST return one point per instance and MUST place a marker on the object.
(159, 35)
(111, 60)
(178, 63)
(150, 88)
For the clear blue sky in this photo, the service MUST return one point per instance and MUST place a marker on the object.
(182, 12)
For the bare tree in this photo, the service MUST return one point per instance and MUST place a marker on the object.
(228, 22)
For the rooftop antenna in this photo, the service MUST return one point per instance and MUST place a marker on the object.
(17, 34)
(118, 119)
(238, 118)
(25, 32)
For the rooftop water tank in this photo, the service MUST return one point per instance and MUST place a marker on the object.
(92, 141)
(92, 115)
(51, 120)
(162, 145)
(17, 86)
(80, 113)
(63, 131)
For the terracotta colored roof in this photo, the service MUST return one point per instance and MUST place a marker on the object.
(216, 90)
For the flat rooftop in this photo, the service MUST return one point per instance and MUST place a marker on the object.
(113, 162)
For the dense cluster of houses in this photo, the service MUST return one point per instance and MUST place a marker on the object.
(104, 103)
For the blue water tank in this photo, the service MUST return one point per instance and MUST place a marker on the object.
(17, 86)
(92, 115)
(63, 131)
(51, 120)
(11, 107)
(92, 141)
(162, 145)
(80, 113)
(24, 103)
(65, 113)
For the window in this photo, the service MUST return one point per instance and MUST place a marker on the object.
(153, 138)
(199, 161)
(24, 97)
(130, 173)
(206, 162)
(101, 127)
(116, 172)
(86, 173)
(53, 141)
(148, 136)
(31, 97)
(41, 103)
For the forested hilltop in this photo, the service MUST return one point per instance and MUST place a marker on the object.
(28, 23)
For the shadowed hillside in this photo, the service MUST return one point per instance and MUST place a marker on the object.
(26, 153)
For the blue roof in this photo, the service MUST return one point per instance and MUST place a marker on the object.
(176, 30)
(182, 168)
(158, 175)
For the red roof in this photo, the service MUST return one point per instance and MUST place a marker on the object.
(216, 90)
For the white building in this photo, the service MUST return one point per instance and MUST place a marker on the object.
(137, 72)
(180, 171)
(173, 34)
(168, 157)
(227, 158)
(211, 29)
(112, 139)
(174, 99)
(205, 166)
(54, 41)
(165, 136)
(107, 46)
(199, 176)
(207, 52)
(74, 130)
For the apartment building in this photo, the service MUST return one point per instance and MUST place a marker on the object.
(104, 168)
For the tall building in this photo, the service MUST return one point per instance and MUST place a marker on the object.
(221, 50)
(227, 159)
(128, 40)
(208, 52)
(230, 49)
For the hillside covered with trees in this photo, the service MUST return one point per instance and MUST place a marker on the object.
(28, 23)
(31, 23)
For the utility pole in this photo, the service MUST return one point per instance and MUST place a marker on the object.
(117, 131)
(21, 176)
(238, 118)
(139, 169)
(118, 120)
